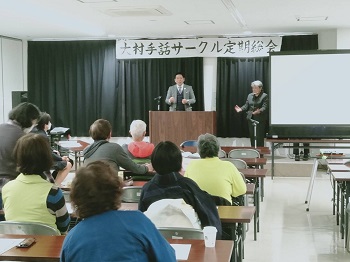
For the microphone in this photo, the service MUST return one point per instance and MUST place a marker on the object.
(157, 98)
(254, 121)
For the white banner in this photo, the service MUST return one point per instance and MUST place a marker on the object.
(202, 47)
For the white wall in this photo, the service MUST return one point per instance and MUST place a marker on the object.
(210, 68)
(327, 39)
(11, 71)
(343, 39)
(334, 39)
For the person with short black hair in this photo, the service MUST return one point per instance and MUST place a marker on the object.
(22, 119)
(102, 149)
(62, 165)
(30, 197)
(180, 97)
(105, 233)
(168, 183)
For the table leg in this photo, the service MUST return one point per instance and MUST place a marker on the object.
(256, 214)
(311, 184)
(333, 200)
(342, 214)
(262, 189)
(76, 160)
(237, 246)
(347, 195)
(272, 159)
(338, 201)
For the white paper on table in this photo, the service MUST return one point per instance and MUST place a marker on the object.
(68, 180)
(182, 251)
(69, 208)
(8, 243)
(69, 144)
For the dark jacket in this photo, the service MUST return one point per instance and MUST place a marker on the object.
(253, 103)
(176, 186)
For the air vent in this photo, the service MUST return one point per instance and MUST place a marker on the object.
(138, 11)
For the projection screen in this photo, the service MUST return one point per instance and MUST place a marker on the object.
(309, 94)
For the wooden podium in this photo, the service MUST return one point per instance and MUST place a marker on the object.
(178, 126)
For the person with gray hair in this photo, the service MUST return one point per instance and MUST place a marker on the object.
(256, 107)
(138, 148)
(217, 177)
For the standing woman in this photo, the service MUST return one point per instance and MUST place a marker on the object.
(257, 109)
(22, 119)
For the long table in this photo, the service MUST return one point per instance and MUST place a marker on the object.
(285, 143)
(229, 216)
(48, 248)
(263, 150)
(257, 175)
(341, 193)
(76, 150)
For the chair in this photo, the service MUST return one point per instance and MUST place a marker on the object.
(244, 153)
(181, 233)
(188, 143)
(27, 228)
(222, 154)
(239, 163)
(220, 201)
(131, 194)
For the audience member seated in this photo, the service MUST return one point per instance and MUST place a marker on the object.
(22, 118)
(105, 233)
(62, 165)
(168, 183)
(138, 149)
(30, 197)
(217, 177)
(102, 149)
(173, 213)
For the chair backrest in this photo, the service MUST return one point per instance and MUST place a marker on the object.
(243, 153)
(222, 154)
(220, 201)
(189, 143)
(239, 163)
(181, 233)
(27, 228)
(131, 194)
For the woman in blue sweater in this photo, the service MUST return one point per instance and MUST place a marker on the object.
(105, 233)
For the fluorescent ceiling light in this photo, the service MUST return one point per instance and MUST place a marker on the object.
(200, 22)
(96, 1)
(235, 13)
(311, 18)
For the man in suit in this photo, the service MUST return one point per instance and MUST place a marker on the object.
(180, 97)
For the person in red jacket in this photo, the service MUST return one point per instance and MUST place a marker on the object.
(138, 148)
